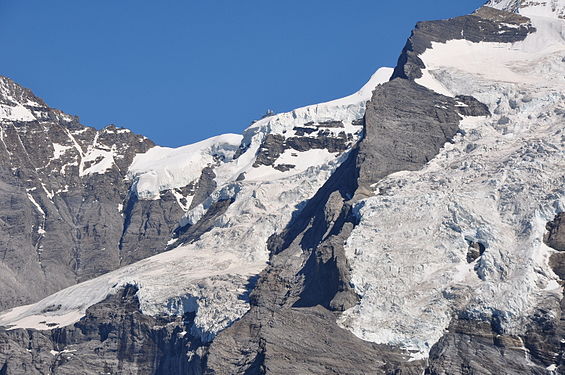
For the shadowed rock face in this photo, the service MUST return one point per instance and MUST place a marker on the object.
(274, 144)
(546, 341)
(555, 236)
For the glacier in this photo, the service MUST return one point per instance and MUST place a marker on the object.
(498, 185)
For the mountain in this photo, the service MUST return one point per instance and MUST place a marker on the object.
(62, 186)
(412, 227)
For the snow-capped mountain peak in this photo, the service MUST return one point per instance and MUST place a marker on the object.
(416, 226)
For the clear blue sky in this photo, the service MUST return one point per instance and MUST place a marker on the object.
(184, 70)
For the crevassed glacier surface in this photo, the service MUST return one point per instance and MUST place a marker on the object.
(498, 185)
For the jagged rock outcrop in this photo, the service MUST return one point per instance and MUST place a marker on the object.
(308, 277)
(407, 124)
(555, 237)
(472, 347)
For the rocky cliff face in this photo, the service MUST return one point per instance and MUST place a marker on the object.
(62, 192)
(414, 227)
(70, 208)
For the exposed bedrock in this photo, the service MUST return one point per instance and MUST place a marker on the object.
(66, 210)
(58, 228)
(472, 347)
(555, 237)
(275, 144)
(407, 124)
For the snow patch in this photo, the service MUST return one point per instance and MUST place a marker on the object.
(35, 204)
(60, 150)
(15, 113)
(500, 62)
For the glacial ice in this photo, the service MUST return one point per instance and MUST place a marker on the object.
(498, 184)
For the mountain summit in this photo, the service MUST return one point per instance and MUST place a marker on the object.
(414, 227)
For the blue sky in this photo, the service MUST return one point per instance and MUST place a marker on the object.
(179, 71)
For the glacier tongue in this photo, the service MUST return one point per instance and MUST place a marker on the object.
(497, 185)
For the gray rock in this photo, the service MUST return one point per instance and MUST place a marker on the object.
(476, 249)
(205, 186)
(191, 233)
(471, 347)
(284, 167)
(272, 147)
(331, 124)
(300, 131)
(298, 341)
(555, 236)
(275, 144)
(113, 338)
(59, 226)
(406, 125)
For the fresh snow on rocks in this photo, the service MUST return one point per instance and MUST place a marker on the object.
(14, 109)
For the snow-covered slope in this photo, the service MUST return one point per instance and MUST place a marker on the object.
(535, 8)
(17, 108)
(165, 168)
(497, 185)
(211, 274)
(349, 108)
